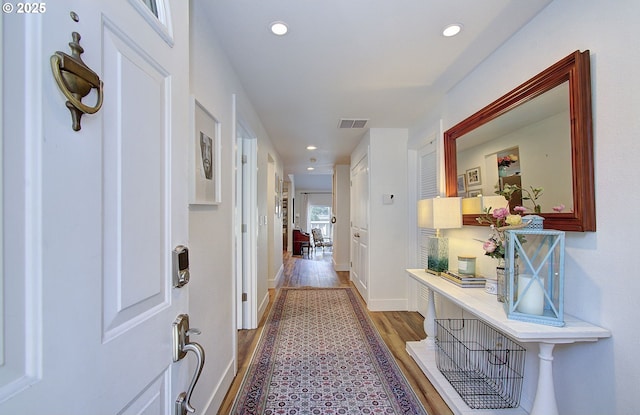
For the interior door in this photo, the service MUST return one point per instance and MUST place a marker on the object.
(360, 226)
(246, 258)
(94, 214)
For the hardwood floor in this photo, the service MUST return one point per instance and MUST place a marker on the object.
(395, 327)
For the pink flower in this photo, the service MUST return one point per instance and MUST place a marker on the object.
(500, 213)
(558, 208)
(520, 209)
(489, 246)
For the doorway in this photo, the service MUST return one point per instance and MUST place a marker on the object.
(246, 227)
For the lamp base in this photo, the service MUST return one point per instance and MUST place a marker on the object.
(438, 255)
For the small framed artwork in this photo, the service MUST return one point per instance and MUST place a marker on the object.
(204, 159)
(462, 184)
(473, 177)
(474, 192)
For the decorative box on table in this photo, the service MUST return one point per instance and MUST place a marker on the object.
(534, 260)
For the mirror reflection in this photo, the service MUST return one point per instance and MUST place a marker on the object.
(550, 154)
(526, 148)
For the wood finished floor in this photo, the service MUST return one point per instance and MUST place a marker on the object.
(395, 327)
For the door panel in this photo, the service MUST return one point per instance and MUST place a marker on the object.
(95, 214)
(135, 202)
(152, 400)
(22, 228)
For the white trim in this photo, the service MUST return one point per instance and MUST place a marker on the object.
(2, 311)
(388, 304)
(161, 24)
(263, 304)
(279, 276)
(246, 186)
(221, 388)
(28, 286)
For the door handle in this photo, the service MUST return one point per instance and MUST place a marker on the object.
(76, 80)
(181, 346)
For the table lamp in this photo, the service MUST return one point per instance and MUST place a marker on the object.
(439, 213)
(479, 204)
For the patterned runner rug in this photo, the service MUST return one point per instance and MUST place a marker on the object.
(319, 353)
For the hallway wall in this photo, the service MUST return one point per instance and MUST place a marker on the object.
(211, 228)
(590, 378)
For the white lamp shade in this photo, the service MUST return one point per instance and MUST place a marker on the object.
(440, 213)
(472, 205)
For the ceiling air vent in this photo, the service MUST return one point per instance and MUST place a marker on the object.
(352, 123)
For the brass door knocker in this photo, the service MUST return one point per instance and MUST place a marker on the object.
(76, 80)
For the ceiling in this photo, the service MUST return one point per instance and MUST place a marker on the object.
(385, 61)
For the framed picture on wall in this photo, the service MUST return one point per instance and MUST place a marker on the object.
(473, 177)
(474, 192)
(462, 184)
(204, 159)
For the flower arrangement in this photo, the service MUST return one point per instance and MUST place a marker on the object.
(499, 221)
(507, 160)
(532, 194)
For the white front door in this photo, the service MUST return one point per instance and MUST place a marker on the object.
(91, 216)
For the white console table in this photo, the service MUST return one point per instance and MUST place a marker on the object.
(488, 309)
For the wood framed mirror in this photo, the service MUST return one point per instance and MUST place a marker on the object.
(543, 128)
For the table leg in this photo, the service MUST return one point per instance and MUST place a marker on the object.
(430, 321)
(545, 400)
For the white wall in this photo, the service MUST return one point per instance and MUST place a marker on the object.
(387, 222)
(601, 285)
(214, 82)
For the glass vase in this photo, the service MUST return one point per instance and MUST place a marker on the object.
(501, 281)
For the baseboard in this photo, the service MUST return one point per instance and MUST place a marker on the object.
(262, 307)
(340, 267)
(220, 391)
(280, 275)
(388, 304)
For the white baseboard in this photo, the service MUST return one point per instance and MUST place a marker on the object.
(388, 304)
(274, 282)
(340, 267)
(220, 391)
(262, 306)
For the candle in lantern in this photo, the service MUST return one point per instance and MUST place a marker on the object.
(530, 301)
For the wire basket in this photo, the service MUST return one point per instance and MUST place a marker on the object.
(483, 365)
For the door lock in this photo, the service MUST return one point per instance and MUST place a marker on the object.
(180, 266)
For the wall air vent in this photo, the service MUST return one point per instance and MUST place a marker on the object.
(352, 123)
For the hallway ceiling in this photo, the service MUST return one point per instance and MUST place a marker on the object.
(385, 61)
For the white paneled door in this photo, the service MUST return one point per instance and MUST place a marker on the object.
(360, 226)
(91, 216)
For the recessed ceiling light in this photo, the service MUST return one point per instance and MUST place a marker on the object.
(311, 147)
(452, 30)
(279, 28)
(310, 168)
